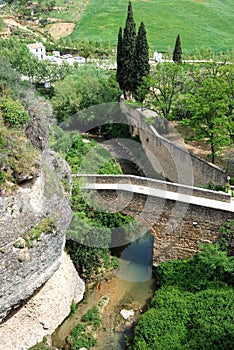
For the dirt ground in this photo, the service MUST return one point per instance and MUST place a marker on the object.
(60, 29)
(57, 30)
(197, 148)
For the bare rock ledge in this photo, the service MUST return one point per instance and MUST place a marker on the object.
(45, 311)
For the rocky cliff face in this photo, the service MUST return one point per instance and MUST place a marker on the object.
(33, 222)
(45, 311)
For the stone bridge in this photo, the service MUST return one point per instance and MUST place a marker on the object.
(178, 216)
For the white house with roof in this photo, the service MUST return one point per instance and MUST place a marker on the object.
(38, 50)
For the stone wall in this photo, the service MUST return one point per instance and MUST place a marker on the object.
(26, 262)
(157, 184)
(177, 227)
(170, 160)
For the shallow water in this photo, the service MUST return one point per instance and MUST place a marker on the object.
(131, 288)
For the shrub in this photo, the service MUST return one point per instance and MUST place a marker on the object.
(92, 317)
(194, 307)
(13, 113)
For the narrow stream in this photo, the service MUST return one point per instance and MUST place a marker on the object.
(131, 288)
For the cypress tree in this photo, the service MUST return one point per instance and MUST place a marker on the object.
(141, 66)
(128, 48)
(177, 54)
(119, 58)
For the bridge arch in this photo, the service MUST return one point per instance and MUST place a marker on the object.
(178, 217)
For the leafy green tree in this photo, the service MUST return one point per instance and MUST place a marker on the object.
(177, 54)
(209, 104)
(128, 47)
(87, 87)
(86, 49)
(166, 85)
(141, 66)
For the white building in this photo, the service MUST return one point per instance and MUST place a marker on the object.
(157, 56)
(38, 50)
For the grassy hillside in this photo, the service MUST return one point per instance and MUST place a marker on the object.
(201, 23)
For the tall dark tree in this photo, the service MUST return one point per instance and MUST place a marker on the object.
(141, 66)
(129, 38)
(177, 54)
(119, 58)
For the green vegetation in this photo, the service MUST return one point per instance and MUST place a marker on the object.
(141, 66)
(199, 96)
(209, 107)
(165, 83)
(200, 23)
(177, 53)
(41, 346)
(92, 317)
(82, 333)
(42, 9)
(44, 226)
(17, 54)
(89, 234)
(86, 87)
(127, 53)
(193, 309)
(19, 160)
(132, 57)
(73, 308)
(13, 113)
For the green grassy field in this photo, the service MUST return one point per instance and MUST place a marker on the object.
(201, 23)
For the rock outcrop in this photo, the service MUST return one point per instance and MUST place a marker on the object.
(45, 311)
(33, 222)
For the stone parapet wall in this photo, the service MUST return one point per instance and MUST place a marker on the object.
(177, 227)
(171, 160)
(162, 185)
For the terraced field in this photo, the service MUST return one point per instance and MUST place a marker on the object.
(201, 23)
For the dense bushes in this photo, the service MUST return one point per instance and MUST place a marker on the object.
(194, 307)
(182, 321)
(82, 334)
(87, 86)
(89, 235)
(19, 160)
(13, 113)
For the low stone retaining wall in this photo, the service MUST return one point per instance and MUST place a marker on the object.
(162, 185)
(172, 161)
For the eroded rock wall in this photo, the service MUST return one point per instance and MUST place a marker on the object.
(45, 311)
(33, 222)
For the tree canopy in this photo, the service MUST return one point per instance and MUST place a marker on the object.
(132, 57)
(209, 102)
(177, 53)
(141, 66)
(128, 47)
(87, 87)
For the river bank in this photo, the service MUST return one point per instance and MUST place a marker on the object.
(130, 288)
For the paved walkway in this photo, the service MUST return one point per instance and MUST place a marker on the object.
(175, 196)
